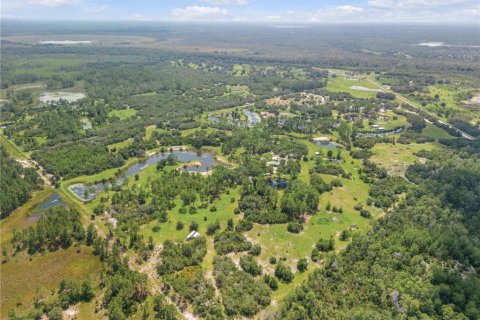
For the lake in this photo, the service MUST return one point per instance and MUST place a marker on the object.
(52, 201)
(206, 161)
(253, 119)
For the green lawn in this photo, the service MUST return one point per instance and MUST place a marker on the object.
(11, 148)
(122, 114)
(435, 132)
(341, 84)
(120, 145)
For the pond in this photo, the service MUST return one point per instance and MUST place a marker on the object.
(279, 184)
(328, 144)
(52, 201)
(360, 88)
(204, 163)
(253, 119)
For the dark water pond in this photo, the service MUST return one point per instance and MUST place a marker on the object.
(327, 144)
(253, 119)
(206, 163)
(52, 201)
(279, 184)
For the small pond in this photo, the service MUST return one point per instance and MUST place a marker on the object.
(360, 88)
(205, 162)
(278, 183)
(328, 144)
(253, 119)
(52, 201)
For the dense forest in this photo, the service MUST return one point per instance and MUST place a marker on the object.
(17, 183)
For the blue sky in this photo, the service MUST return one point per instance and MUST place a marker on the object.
(274, 11)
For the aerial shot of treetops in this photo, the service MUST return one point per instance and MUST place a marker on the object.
(240, 159)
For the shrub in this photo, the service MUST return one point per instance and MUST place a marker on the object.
(302, 265)
(180, 225)
(271, 281)
(283, 273)
(255, 250)
(295, 227)
(249, 265)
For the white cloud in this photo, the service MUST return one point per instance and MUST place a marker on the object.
(412, 4)
(227, 2)
(348, 10)
(472, 11)
(196, 13)
(52, 3)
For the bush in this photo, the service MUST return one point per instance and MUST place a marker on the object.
(193, 226)
(325, 245)
(295, 227)
(273, 260)
(231, 241)
(283, 273)
(302, 265)
(249, 265)
(255, 250)
(365, 213)
(180, 225)
(213, 227)
(344, 235)
(271, 281)
(244, 225)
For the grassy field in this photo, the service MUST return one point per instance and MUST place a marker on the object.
(22, 276)
(388, 120)
(341, 84)
(122, 114)
(121, 144)
(396, 158)
(149, 131)
(19, 218)
(435, 132)
(11, 148)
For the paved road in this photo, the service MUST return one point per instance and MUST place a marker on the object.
(406, 101)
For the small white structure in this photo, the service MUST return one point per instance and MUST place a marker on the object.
(374, 126)
(275, 162)
(380, 128)
(193, 235)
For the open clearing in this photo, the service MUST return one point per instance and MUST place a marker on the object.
(61, 95)
(395, 158)
(21, 277)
